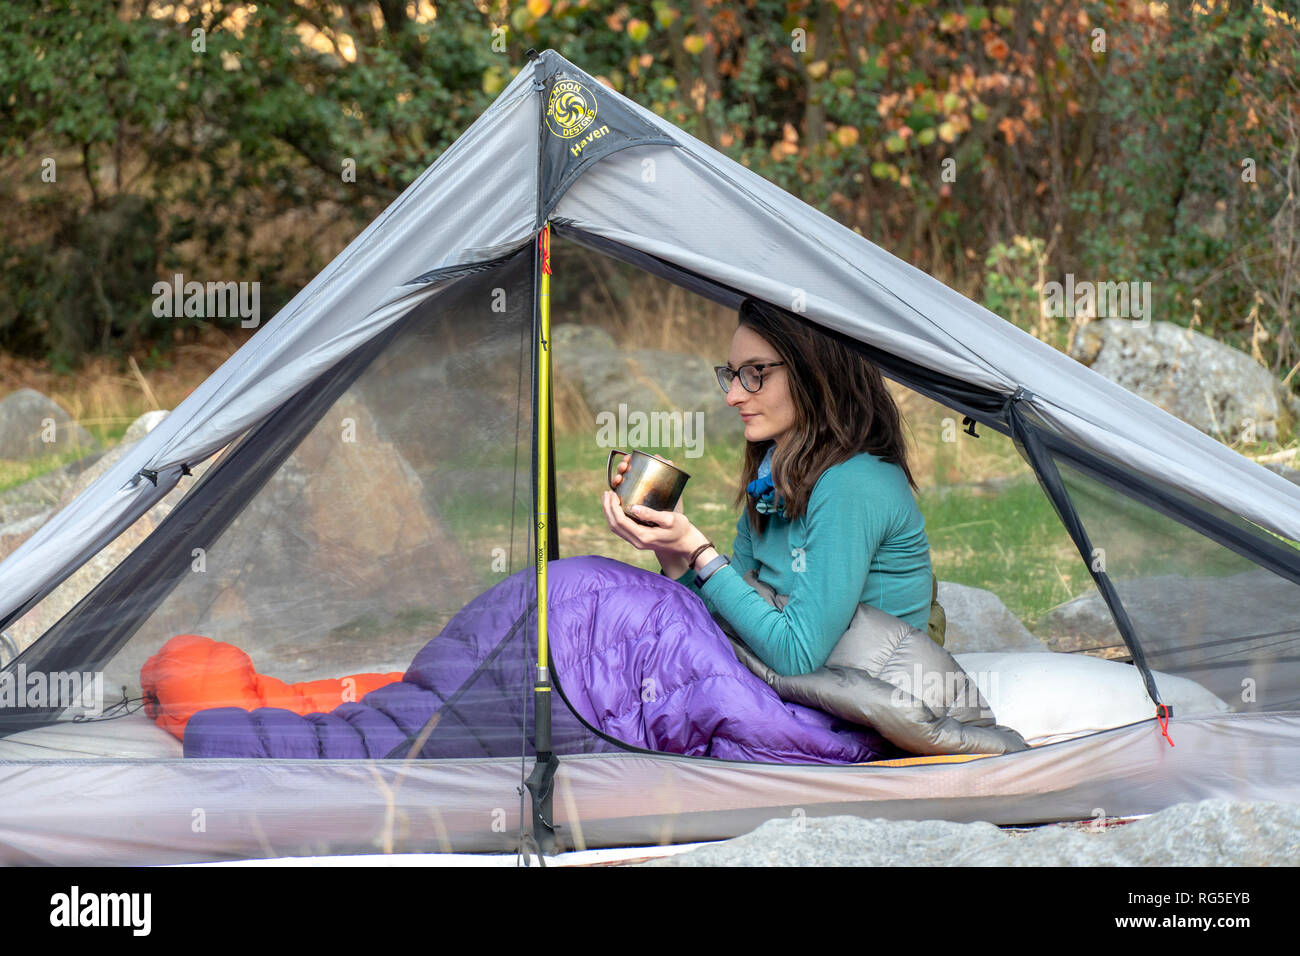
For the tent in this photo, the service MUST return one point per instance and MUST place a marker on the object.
(378, 454)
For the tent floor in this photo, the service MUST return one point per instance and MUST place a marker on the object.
(155, 811)
(611, 856)
(133, 736)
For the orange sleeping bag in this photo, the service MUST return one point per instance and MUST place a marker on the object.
(192, 673)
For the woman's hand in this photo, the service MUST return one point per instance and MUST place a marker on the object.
(672, 538)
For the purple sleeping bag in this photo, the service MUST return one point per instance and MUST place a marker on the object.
(637, 656)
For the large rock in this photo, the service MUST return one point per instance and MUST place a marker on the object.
(1192, 626)
(356, 552)
(452, 407)
(33, 426)
(978, 621)
(622, 387)
(1251, 602)
(581, 351)
(1216, 388)
(144, 425)
(134, 432)
(1209, 833)
(1287, 472)
(26, 507)
(337, 565)
(33, 624)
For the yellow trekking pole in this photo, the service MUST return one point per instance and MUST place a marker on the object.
(543, 450)
(540, 780)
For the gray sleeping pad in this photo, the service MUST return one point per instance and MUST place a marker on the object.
(891, 676)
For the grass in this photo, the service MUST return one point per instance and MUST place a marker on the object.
(580, 473)
(15, 473)
(1010, 543)
(107, 394)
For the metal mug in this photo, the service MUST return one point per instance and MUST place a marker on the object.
(648, 481)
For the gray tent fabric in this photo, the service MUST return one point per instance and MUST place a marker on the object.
(472, 205)
(664, 195)
(707, 213)
(691, 206)
(886, 674)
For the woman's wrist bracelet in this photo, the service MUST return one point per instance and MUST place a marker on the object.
(690, 563)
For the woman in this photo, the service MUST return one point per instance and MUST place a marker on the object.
(830, 518)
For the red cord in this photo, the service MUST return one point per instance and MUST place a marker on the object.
(1162, 717)
(544, 244)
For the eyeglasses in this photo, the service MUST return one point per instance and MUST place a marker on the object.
(751, 377)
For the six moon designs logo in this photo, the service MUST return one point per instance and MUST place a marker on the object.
(572, 108)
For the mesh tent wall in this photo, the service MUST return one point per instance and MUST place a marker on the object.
(409, 306)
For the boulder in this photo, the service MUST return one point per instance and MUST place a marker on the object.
(1251, 602)
(625, 388)
(1287, 472)
(1208, 833)
(1218, 389)
(581, 350)
(339, 563)
(1183, 622)
(32, 625)
(978, 621)
(144, 425)
(134, 432)
(26, 507)
(450, 407)
(342, 560)
(33, 426)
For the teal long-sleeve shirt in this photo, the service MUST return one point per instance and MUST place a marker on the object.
(861, 540)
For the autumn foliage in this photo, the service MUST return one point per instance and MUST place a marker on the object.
(997, 146)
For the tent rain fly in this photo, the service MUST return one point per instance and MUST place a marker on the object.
(388, 457)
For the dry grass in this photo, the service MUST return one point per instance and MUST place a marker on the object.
(639, 310)
(105, 395)
(942, 453)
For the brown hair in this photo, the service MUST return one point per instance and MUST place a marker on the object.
(841, 405)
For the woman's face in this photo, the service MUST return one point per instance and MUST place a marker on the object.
(769, 412)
